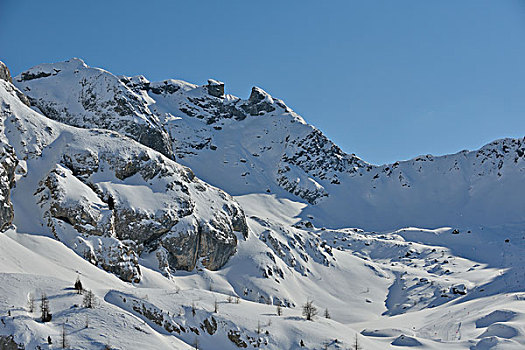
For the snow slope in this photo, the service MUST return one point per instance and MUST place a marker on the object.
(95, 204)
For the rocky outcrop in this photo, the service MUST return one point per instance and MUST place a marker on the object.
(8, 162)
(128, 218)
(4, 73)
(260, 102)
(7, 342)
(215, 88)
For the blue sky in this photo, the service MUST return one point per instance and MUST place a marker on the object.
(387, 80)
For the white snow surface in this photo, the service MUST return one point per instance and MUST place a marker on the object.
(356, 250)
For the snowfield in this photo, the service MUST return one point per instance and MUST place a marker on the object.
(102, 182)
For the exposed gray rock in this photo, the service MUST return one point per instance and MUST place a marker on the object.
(215, 88)
(180, 236)
(8, 163)
(7, 342)
(259, 102)
(4, 73)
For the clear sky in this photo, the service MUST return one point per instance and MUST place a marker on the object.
(387, 80)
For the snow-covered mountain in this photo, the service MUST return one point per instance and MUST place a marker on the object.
(260, 145)
(100, 178)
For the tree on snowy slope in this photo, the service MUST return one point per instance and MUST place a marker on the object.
(89, 300)
(309, 310)
(78, 286)
(44, 307)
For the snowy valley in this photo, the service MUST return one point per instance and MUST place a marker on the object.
(202, 220)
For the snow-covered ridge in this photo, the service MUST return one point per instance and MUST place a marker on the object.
(93, 97)
(259, 145)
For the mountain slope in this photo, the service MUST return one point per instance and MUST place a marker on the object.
(260, 145)
(173, 261)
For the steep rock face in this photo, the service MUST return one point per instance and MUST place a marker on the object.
(113, 200)
(4, 73)
(93, 98)
(8, 163)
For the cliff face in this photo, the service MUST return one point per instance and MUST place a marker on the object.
(8, 160)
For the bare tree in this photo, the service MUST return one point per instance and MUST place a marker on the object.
(279, 310)
(89, 300)
(193, 308)
(87, 321)
(78, 286)
(309, 310)
(355, 344)
(44, 308)
(63, 339)
(230, 299)
(196, 343)
(258, 327)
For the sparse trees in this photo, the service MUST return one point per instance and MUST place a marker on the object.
(309, 310)
(355, 344)
(89, 299)
(44, 308)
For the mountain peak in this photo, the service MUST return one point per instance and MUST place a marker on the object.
(258, 95)
(215, 88)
